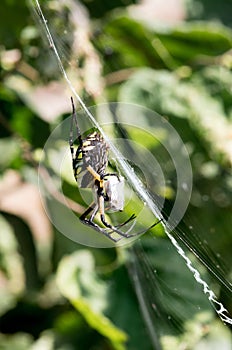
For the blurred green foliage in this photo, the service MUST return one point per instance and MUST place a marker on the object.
(56, 294)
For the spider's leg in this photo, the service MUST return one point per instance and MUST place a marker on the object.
(100, 205)
(147, 229)
(83, 216)
(102, 212)
(106, 224)
(89, 222)
(95, 175)
(125, 234)
(112, 174)
(132, 217)
(101, 230)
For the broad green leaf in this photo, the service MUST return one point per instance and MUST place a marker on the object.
(190, 40)
(77, 281)
(133, 44)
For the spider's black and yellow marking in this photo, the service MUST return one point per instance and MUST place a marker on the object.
(90, 154)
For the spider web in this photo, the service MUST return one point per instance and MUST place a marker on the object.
(184, 237)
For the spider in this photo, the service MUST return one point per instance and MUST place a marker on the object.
(89, 164)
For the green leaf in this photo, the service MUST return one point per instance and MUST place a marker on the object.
(167, 94)
(11, 267)
(10, 150)
(159, 46)
(77, 281)
(190, 40)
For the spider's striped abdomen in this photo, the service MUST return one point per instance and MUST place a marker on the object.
(93, 152)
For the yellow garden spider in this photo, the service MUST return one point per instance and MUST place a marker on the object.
(89, 164)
